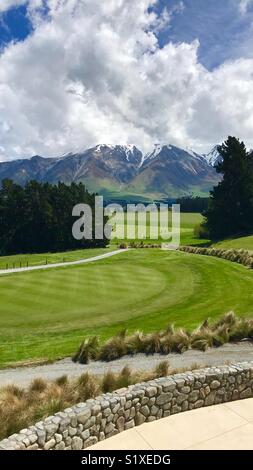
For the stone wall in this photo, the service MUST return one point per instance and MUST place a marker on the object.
(87, 423)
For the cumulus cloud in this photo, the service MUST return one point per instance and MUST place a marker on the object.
(7, 4)
(92, 72)
(244, 5)
(163, 20)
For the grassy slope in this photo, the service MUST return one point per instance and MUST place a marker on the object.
(46, 314)
(245, 243)
(42, 258)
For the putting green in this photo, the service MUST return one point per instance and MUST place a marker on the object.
(45, 314)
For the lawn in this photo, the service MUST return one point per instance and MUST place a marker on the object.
(245, 243)
(188, 222)
(49, 258)
(45, 314)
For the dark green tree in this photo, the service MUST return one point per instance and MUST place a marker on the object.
(38, 217)
(230, 210)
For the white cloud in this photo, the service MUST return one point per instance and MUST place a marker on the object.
(7, 4)
(162, 21)
(244, 5)
(93, 73)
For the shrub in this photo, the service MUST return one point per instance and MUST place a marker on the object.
(242, 329)
(135, 343)
(38, 385)
(87, 351)
(62, 380)
(87, 387)
(49, 408)
(236, 256)
(125, 378)
(202, 337)
(221, 336)
(181, 341)
(162, 369)
(200, 231)
(229, 319)
(123, 246)
(226, 329)
(114, 348)
(152, 343)
(109, 382)
(202, 343)
(167, 344)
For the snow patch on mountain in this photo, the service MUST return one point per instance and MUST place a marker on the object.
(156, 151)
(213, 157)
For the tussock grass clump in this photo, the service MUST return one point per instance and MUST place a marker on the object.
(139, 244)
(151, 343)
(38, 385)
(109, 382)
(126, 377)
(114, 348)
(86, 387)
(227, 329)
(236, 256)
(135, 343)
(62, 380)
(87, 350)
(20, 407)
(162, 369)
(123, 246)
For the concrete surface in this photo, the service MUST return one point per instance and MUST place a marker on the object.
(221, 427)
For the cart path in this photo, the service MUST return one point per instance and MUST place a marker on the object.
(239, 352)
(60, 265)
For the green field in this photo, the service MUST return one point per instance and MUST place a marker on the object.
(245, 243)
(45, 314)
(49, 258)
(188, 222)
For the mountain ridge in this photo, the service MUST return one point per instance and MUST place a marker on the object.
(116, 170)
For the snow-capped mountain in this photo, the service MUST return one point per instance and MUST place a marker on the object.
(213, 157)
(122, 170)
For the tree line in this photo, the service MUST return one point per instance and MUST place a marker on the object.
(193, 204)
(37, 218)
(230, 209)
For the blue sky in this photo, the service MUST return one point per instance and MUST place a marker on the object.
(14, 25)
(222, 31)
(79, 73)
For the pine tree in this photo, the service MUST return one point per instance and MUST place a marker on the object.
(38, 217)
(230, 210)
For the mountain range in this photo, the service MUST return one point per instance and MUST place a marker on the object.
(123, 171)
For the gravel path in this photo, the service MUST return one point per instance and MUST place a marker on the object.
(239, 352)
(60, 265)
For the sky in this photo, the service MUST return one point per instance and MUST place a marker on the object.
(76, 73)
